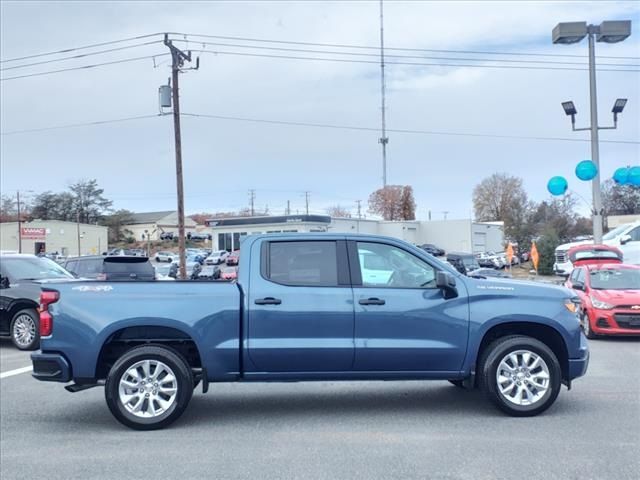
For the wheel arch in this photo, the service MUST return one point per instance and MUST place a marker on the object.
(542, 332)
(126, 338)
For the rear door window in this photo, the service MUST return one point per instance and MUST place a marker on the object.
(120, 269)
(312, 263)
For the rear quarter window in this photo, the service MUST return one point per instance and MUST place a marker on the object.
(312, 263)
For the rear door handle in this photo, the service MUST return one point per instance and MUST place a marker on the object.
(268, 301)
(371, 301)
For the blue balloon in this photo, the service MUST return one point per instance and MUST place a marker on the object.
(557, 186)
(586, 170)
(634, 176)
(621, 176)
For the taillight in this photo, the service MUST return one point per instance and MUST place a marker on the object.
(101, 276)
(46, 320)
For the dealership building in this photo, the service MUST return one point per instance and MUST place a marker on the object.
(150, 225)
(451, 235)
(50, 236)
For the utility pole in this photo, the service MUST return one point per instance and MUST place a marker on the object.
(252, 199)
(177, 61)
(288, 211)
(359, 202)
(78, 223)
(383, 140)
(306, 201)
(19, 223)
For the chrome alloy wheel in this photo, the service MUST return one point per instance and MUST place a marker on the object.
(523, 377)
(24, 330)
(148, 389)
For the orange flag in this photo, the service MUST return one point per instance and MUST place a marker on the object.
(534, 255)
(509, 252)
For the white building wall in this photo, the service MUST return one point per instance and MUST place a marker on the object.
(61, 237)
(451, 235)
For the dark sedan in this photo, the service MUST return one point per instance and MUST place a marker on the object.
(20, 296)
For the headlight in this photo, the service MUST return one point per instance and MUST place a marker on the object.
(572, 304)
(599, 304)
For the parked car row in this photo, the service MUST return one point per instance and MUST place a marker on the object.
(194, 236)
(624, 237)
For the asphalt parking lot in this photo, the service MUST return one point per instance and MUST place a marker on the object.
(330, 430)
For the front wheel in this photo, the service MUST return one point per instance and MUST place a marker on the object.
(149, 387)
(520, 375)
(586, 326)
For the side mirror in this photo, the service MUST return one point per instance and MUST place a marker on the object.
(4, 282)
(578, 286)
(625, 239)
(447, 283)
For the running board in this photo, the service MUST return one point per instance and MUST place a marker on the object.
(80, 387)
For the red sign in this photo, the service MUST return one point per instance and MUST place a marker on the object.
(31, 233)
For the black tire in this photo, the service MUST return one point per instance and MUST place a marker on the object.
(184, 380)
(35, 318)
(488, 366)
(457, 383)
(586, 327)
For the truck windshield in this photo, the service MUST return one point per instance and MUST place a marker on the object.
(616, 279)
(615, 232)
(33, 268)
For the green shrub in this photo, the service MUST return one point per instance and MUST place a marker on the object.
(546, 250)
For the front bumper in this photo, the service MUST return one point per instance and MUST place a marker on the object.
(563, 269)
(50, 367)
(614, 322)
(578, 366)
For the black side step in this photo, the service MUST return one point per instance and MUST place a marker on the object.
(80, 387)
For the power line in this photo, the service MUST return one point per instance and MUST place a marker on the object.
(84, 67)
(368, 47)
(377, 55)
(318, 125)
(82, 55)
(75, 125)
(84, 47)
(408, 131)
(344, 60)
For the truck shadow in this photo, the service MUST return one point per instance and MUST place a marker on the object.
(243, 408)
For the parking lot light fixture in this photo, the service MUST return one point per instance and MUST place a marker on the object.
(569, 32)
(618, 107)
(569, 108)
(614, 31)
(608, 32)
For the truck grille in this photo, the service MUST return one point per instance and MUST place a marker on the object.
(561, 256)
(627, 321)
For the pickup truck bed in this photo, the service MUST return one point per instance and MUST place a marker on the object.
(311, 307)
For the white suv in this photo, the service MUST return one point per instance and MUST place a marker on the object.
(625, 237)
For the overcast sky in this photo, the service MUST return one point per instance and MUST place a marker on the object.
(134, 161)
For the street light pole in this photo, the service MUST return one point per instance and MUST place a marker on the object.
(609, 32)
(595, 146)
(19, 223)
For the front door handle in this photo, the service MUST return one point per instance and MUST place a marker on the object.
(268, 301)
(371, 301)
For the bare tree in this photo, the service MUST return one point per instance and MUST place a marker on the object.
(620, 199)
(393, 202)
(338, 211)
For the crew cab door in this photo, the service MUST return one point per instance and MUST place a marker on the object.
(405, 324)
(300, 306)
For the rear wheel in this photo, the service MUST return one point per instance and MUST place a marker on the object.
(520, 375)
(149, 387)
(24, 330)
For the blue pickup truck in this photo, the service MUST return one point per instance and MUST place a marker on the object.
(310, 307)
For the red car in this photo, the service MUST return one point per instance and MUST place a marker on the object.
(233, 258)
(229, 273)
(610, 294)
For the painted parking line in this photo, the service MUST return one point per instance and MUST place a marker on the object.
(17, 371)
